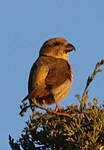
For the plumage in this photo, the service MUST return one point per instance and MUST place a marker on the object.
(51, 75)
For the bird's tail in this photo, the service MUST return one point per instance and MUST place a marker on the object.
(25, 98)
(29, 96)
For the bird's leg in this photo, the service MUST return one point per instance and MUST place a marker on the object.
(44, 103)
(58, 108)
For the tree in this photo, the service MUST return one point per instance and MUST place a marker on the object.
(78, 127)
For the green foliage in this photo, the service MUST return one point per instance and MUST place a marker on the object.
(78, 127)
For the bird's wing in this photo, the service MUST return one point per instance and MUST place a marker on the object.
(58, 74)
(36, 83)
(41, 75)
(38, 74)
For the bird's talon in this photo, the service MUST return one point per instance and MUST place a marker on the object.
(44, 103)
(58, 108)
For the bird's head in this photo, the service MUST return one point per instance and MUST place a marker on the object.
(57, 47)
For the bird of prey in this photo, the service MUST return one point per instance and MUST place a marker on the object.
(51, 75)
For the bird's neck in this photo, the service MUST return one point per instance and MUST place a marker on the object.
(64, 57)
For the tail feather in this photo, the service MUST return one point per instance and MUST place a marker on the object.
(25, 98)
(29, 96)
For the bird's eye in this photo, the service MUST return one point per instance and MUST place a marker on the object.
(57, 43)
(47, 45)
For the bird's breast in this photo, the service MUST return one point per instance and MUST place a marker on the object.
(62, 91)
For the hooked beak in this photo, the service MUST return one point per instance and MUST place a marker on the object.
(69, 48)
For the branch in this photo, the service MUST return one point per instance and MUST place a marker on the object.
(85, 96)
(52, 111)
(90, 79)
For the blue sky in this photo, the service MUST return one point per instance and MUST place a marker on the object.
(24, 26)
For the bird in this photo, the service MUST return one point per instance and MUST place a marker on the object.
(51, 74)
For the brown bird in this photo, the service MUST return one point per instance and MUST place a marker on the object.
(51, 75)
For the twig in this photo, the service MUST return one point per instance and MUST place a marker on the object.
(24, 109)
(85, 97)
(52, 111)
(90, 79)
(35, 104)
